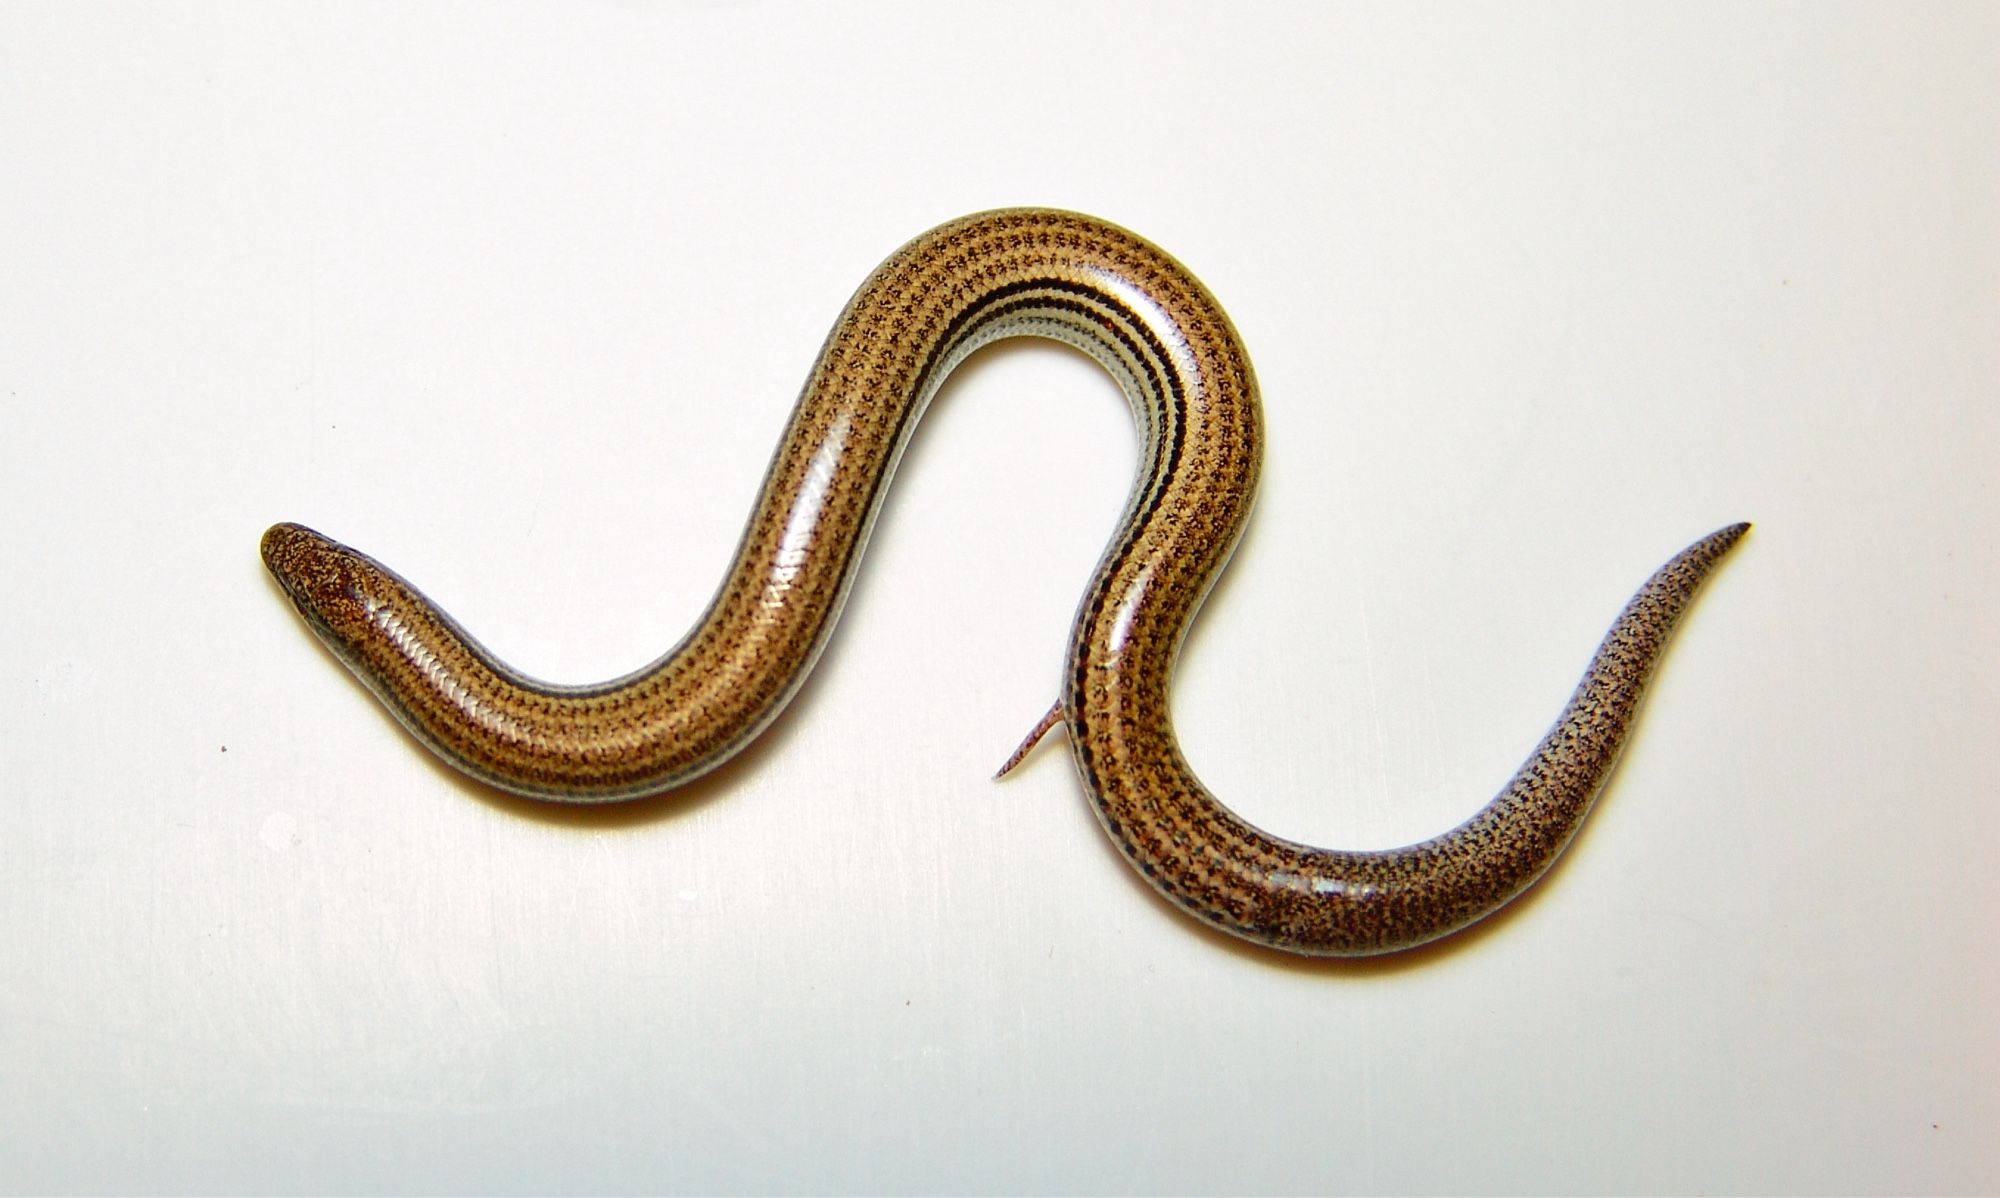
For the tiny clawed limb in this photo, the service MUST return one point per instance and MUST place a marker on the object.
(1033, 738)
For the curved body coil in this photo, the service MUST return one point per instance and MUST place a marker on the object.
(1157, 330)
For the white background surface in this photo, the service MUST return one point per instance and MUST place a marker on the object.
(516, 297)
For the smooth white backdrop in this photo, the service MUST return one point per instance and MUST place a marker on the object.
(516, 298)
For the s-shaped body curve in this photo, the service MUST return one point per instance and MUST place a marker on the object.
(1157, 330)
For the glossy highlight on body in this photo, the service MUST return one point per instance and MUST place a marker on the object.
(1156, 329)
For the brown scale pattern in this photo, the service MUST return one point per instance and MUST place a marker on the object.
(1152, 324)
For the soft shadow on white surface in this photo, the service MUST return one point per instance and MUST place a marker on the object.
(517, 297)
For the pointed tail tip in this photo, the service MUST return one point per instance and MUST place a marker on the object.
(1705, 554)
(1719, 542)
(1029, 742)
(1015, 758)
